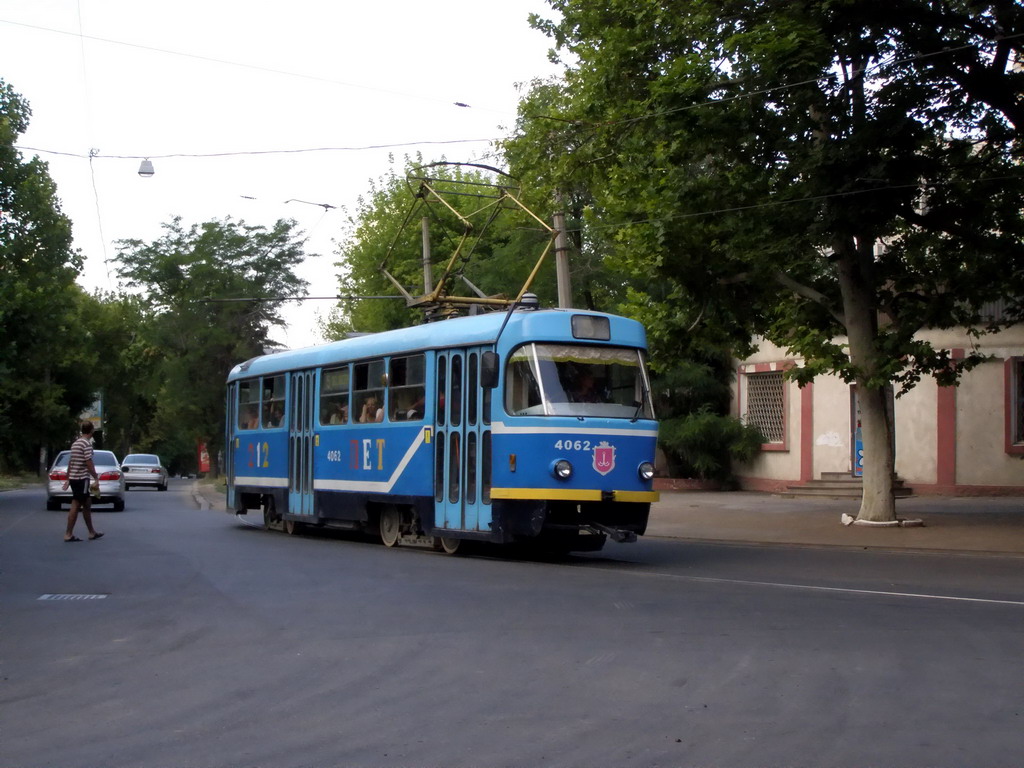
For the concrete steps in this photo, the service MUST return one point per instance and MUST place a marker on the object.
(837, 485)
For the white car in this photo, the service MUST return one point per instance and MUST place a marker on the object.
(144, 469)
(111, 481)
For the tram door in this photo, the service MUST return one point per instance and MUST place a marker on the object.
(301, 438)
(231, 424)
(462, 444)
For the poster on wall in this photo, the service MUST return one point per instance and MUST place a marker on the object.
(858, 452)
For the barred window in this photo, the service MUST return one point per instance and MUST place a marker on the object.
(766, 405)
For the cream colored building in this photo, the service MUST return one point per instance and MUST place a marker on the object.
(964, 440)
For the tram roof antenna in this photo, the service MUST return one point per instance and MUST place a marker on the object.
(428, 190)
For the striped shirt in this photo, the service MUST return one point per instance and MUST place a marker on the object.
(81, 452)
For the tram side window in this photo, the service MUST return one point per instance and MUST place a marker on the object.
(406, 391)
(334, 396)
(273, 402)
(368, 390)
(521, 391)
(249, 404)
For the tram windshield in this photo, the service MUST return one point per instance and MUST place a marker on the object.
(577, 380)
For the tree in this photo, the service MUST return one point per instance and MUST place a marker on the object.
(213, 290)
(551, 160)
(124, 365)
(835, 175)
(41, 389)
(690, 342)
(386, 231)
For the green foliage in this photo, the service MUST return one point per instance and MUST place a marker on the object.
(42, 344)
(210, 295)
(550, 154)
(497, 257)
(123, 364)
(698, 438)
(704, 443)
(744, 158)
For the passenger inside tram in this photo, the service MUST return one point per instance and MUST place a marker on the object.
(371, 411)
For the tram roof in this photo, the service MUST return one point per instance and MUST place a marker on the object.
(536, 325)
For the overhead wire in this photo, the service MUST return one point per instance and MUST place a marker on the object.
(760, 92)
(793, 201)
(241, 153)
(256, 67)
(92, 152)
(637, 118)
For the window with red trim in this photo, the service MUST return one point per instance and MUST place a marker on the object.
(766, 405)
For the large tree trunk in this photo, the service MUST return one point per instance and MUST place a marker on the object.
(855, 266)
(878, 503)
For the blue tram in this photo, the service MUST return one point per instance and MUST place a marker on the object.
(533, 425)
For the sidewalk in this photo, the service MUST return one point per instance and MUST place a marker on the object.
(967, 525)
(951, 524)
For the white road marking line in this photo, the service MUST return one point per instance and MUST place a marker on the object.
(839, 590)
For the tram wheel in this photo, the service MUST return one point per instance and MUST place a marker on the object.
(449, 546)
(270, 519)
(291, 527)
(390, 526)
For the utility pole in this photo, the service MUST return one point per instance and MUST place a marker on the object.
(562, 259)
(428, 278)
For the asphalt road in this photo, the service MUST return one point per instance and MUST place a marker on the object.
(190, 639)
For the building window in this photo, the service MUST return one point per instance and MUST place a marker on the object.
(766, 405)
(1015, 405)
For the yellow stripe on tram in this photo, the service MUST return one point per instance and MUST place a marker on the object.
(569, 494)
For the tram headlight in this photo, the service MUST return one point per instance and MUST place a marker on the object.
(646, 471)
(561, 470)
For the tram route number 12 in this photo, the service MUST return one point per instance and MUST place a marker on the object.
(259, 455)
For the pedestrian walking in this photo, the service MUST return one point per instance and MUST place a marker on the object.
(81, 473)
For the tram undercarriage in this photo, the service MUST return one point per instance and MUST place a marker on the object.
(556, 526)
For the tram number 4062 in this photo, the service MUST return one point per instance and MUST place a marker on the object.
(573, 445)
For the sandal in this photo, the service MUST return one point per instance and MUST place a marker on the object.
(73, 538)
(96, 536)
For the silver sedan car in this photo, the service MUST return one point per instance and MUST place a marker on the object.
(144, 469)
(111, 481)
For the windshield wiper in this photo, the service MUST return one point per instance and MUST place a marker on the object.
(639, 407)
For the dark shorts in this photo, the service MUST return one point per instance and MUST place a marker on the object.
(79, 489)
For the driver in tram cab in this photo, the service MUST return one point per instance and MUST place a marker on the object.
(585, 390)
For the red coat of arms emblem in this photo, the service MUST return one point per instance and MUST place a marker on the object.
(604, 458)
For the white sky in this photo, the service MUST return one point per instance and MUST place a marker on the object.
(302, 74)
